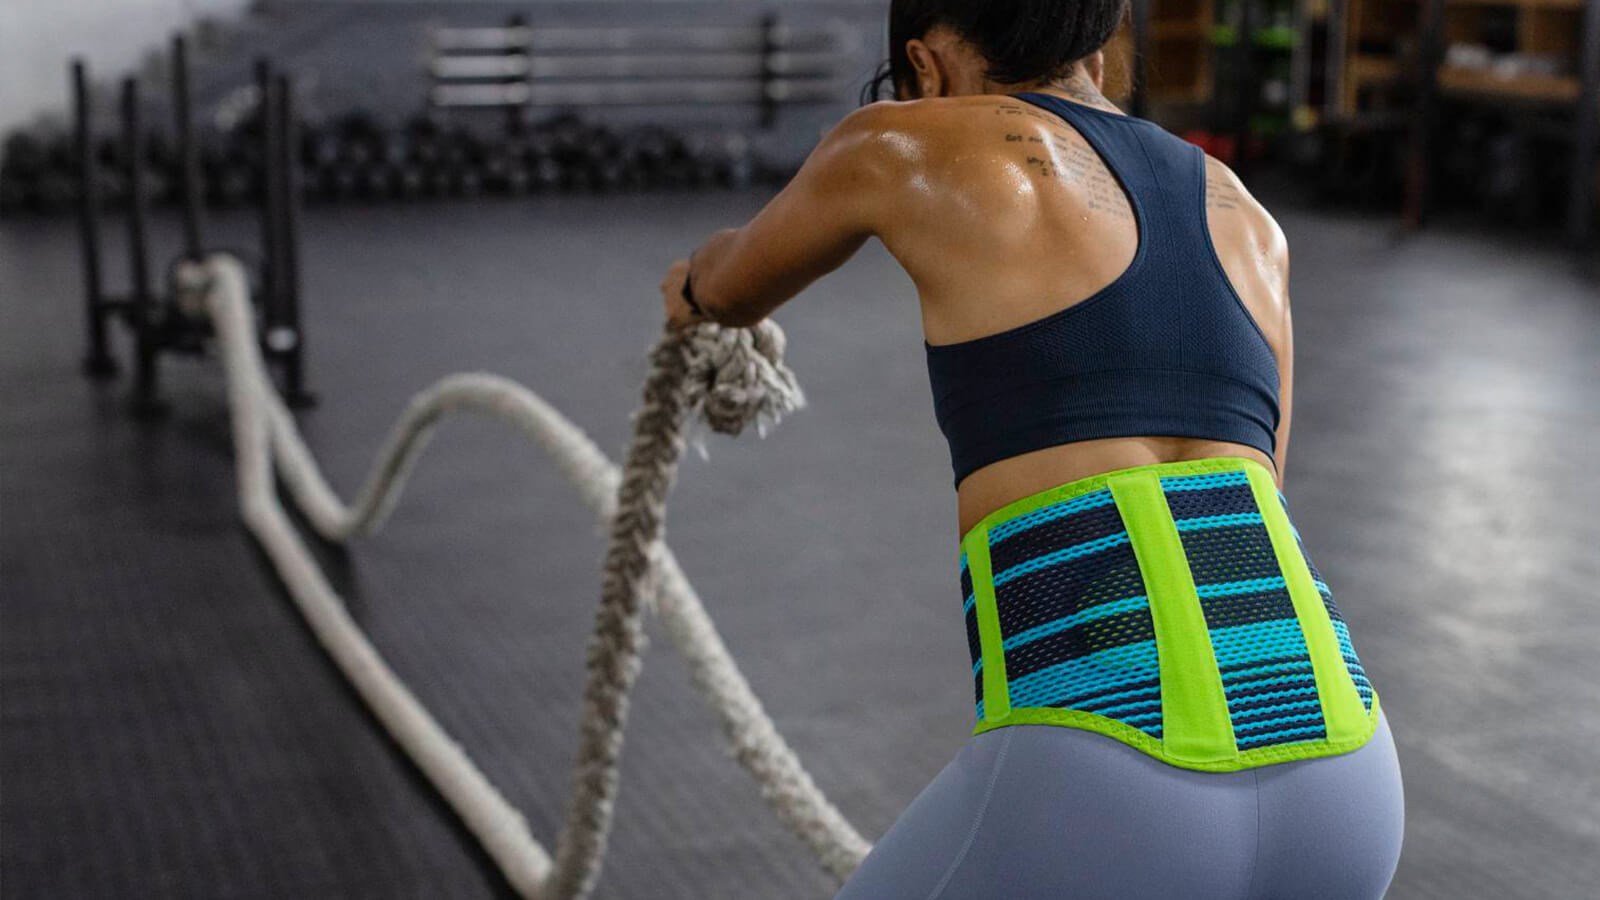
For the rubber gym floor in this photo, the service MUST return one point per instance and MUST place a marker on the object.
(168, 727)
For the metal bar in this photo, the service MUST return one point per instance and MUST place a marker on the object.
(478, 66)
(628, 38)
(270, 195)
(1586, 132)
(1333, 102)
(188, 149)
(141, 302)
(769, 46)
(98, 361)
(1300, 62)
(289, 274)
(486, 95)
(706, 65)
(1139, 66)
(1419, 168)
(1244, 84)
(622, 93)
(515, 115)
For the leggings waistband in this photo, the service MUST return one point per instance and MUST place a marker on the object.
(1171, 606)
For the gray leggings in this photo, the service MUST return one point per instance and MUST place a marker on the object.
(1041, 811)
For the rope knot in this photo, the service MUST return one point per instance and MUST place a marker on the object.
(736, 376)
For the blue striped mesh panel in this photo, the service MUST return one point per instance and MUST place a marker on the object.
(970, 613)
(1261, 652)
(1358, 674)
(1075, 625)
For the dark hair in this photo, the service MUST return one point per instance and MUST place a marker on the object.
(1022, 40)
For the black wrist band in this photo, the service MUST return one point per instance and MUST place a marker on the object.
(688, 297)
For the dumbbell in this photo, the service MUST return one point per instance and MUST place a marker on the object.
(163, 161)
(518, 179)
(232, 185)
(320, 148)
(569, 136)
(492, 172)
(540, 144)
(54, 191)
(676, 173)
(336, 183)
(608, 174)
(395, 148)
(438, 181)
(411, 182)
(377, 181)
(13, 194)
(547, 174)
(24, 156)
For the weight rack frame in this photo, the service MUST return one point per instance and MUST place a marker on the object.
(158, 323)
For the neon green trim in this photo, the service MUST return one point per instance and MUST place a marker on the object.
(1195, 725)
(996, 692)
(1341, 705)
(1244, 759)
(1095, 482)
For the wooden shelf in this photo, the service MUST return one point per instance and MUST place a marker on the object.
(1368, 68)
(1543, 28)
(1384, 39)
(1548, 88)
(1177, 30)
(1181, 95)
(1178, 63)
(1520, 4)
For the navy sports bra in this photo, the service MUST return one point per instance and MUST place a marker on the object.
(1167, 349)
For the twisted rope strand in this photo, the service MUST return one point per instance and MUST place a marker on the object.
(618, 638)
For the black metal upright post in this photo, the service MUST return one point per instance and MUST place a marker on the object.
(142, 310)
(769, 72)
(517, 113)
(188, 149)
(98, 361)
(288, 241)
(1586, 133)
(270, 194)
(1419, 162)
(1245, 88)
(1139, 65)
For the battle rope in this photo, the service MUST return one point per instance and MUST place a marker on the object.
(730, 377)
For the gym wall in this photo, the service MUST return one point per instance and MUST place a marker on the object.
(37, 36)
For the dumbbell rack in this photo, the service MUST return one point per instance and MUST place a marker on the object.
(158, 318)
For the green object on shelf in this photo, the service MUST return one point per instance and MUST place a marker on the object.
(1269, 124)
(1278, 37)
(1274, 37)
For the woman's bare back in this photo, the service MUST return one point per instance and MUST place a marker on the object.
(1005, 214)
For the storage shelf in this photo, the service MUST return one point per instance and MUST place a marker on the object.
(1179, 66)
(1178, 29)
(1185, 95)
(1366, 68)
(1373, 81)
(1550, 88)
(1543, 27)
(1520, 4)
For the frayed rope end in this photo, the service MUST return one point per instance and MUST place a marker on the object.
(737, 377)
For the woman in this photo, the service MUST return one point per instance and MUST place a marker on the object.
(1168, 703)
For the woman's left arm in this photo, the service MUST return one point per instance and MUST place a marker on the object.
(817, 222)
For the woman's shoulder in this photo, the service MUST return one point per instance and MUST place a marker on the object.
(944, 117)
(943, 136)
(1234, 213)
